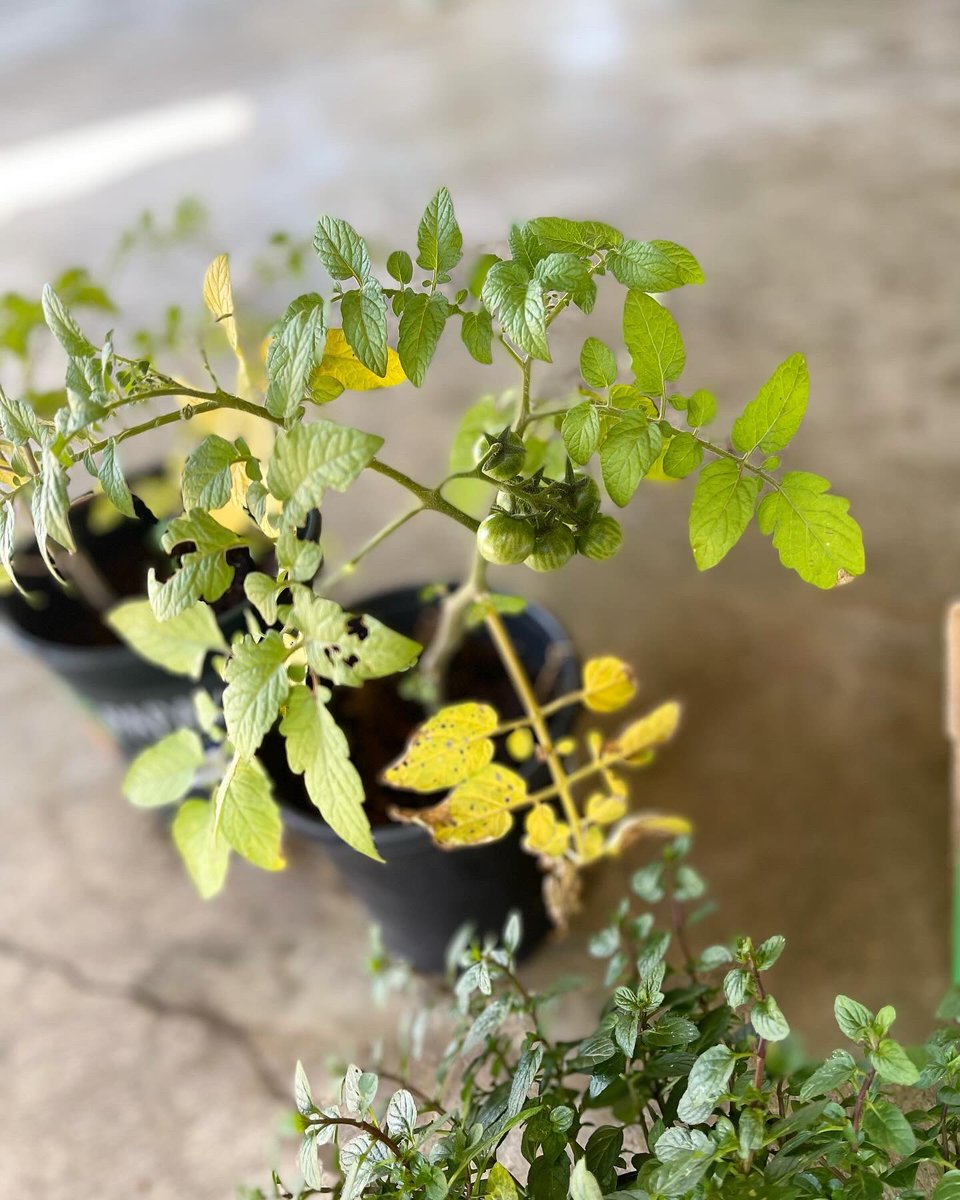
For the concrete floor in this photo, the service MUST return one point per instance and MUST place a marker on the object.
(809, 154)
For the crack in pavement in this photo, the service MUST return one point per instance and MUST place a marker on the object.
(141, 997)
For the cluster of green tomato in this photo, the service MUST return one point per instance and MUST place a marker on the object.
(538, 521)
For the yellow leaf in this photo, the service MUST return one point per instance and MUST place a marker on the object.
(450, 747)
(545, 834)
(608, 684)
(593, 844)
(476, 812)
(604, 810)
(341, 364)
(652, 730)
(566, 746)
(218, 297)
(520, 745)
(639, 825)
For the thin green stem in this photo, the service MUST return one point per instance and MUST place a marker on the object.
(347, 568)
(428, 497)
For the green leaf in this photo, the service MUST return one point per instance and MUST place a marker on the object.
(303, 1097)
(204, 572)
(723, 504)
(769, 1021)
(750, 1132)
(525, 247)
(836, 1070)
(812, 530)
(112, 481)
(345, 648)
(684, 454)
(517, 302)
(179, 645)
(653, 266)
(476, 331)
(581, 431)
(18, 420)
(774, 415)
(421, 324)
(317, 749)
(886, 1126)
(736, 987)
(307, 459)
(294, 352)
(263, 592)
(524, 1075)
(50, 507)
(706, 1084)
(583, 1186)
(249, 818)
(562, 236)
(853, 1018)
(893, 1064)
(257, 684)
(207, 482)
(653, 339)
(767, 953)
(164, 772)
(701, 408)
(7, 531)
(202, 846)
(364, 315)
(948, 1188)
(629, 451)
(400, 266)
(439, 240)
(341, 249)
(598, 366)
(63, 326)
(568, 273)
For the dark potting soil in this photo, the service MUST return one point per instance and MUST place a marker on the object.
(123, 557)
(378, 722)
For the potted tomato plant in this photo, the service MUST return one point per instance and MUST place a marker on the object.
(305, 669)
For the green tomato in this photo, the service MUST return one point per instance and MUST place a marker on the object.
(506, 458)
(601, 539)
(553, 549)
(505, 540)
(586, 500)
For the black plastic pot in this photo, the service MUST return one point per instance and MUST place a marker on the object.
(421, 895)
(135, 701)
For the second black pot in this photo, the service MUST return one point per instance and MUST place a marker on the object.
(421, 895)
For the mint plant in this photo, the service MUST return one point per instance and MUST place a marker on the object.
(548, 458)
(688, 1084)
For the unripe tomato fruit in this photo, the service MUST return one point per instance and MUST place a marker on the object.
(505, 540)
(553, 549)
(506, 458)
(601, 539)
(586, 500)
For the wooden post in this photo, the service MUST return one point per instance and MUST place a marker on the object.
(953, 733)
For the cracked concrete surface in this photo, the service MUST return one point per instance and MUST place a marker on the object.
(809, 155)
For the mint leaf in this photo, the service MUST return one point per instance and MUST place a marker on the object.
(886, 1126)
(629, 451)
(202, 846)
(341, 249)
(421, 324)
(812, 530)
(893, 1064)
(769, 1021)
(517, 302)
(836, 1070)
(317, 749)
(257, 684)
(164, 772)
(179, 645)
(581, 431)
(853, 1018)
(439, 239)
(653, 266)
(774, 415)
(364, 315)
(707, 1083)
(307, 459)
(653, 339)
(723, 504)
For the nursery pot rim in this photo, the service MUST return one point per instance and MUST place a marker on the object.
(398, 834)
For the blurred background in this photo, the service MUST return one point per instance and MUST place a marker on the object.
(808, 153)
